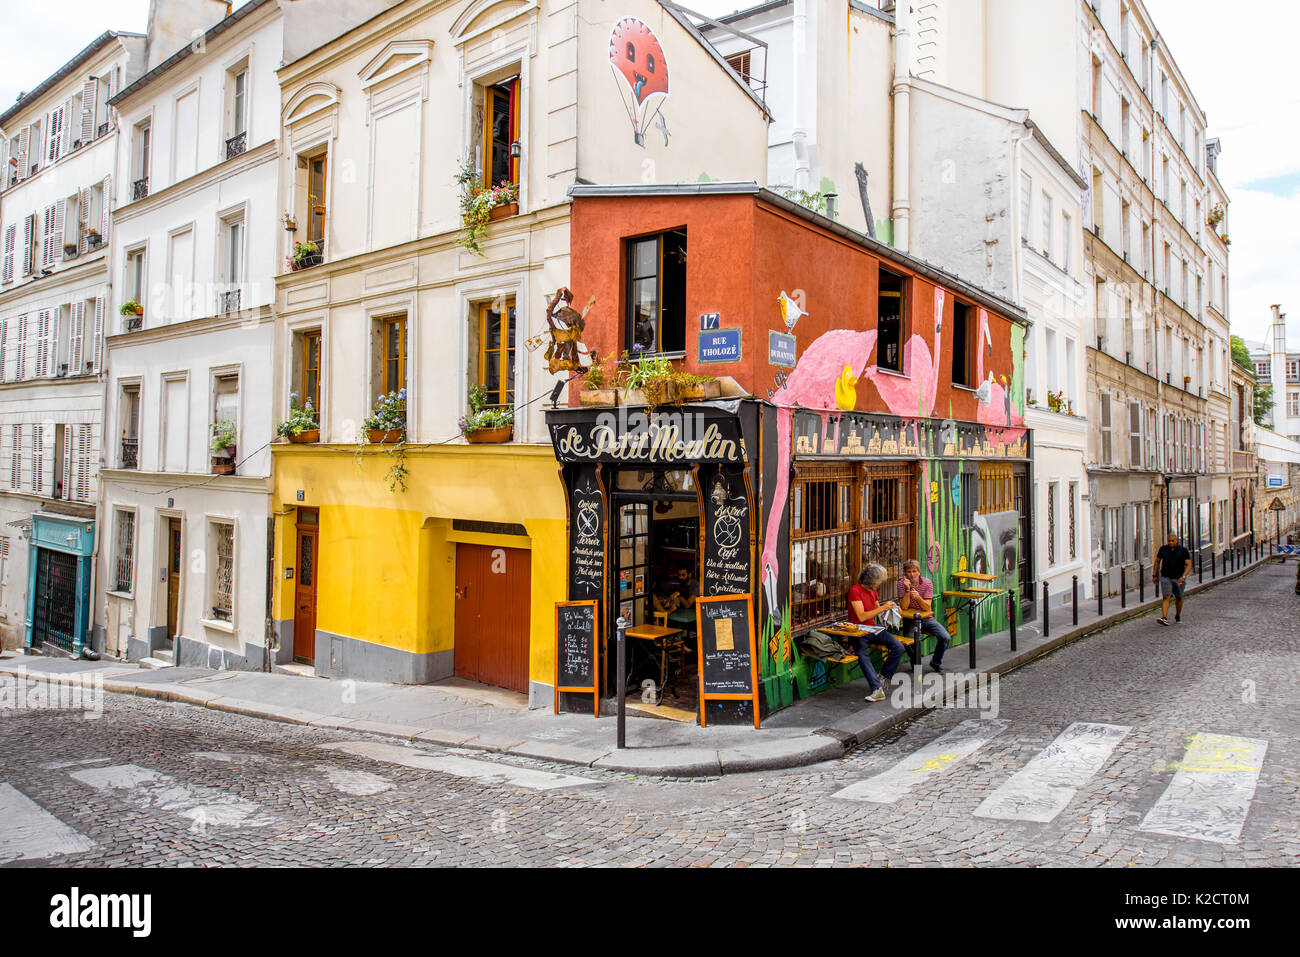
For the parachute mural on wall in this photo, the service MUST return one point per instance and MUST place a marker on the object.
(641, 72)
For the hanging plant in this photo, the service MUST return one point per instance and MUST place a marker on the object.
(477, 203)
(386, 427)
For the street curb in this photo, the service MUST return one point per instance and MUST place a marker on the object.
(836, 741)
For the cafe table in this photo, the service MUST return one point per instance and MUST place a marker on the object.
(663, 637)
(846, 629)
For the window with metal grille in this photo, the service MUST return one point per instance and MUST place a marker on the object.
(1051, 524)
(843, 516)
(1074, 541)
(124, 557)
(223, 564)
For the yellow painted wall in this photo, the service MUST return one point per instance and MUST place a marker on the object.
(386, 565)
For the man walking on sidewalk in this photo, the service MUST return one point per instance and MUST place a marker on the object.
(1173, 565)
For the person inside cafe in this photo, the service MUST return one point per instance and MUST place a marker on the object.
(864, 608)
(916, 597)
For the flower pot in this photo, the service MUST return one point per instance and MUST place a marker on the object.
(230, 451)
(504, 211)
(632, 397)
(227, 469)
(590, 397)
(491, 436)
(662, 392)
(305, 437)
(389, 437)
(696, 391)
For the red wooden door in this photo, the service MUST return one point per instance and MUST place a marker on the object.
(304, 589)
(493, 597)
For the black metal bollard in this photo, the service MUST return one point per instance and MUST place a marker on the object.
(1213, 572)
(1142, 583)
(1123, 588)
(1200, 570)
(1099, 607)
(970, 632)
(1044, 609)
(622, 683)
(1074, 598)
(1011, 617)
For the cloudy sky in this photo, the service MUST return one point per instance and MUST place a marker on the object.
(1242, 75)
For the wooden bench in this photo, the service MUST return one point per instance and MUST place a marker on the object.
(910, 645)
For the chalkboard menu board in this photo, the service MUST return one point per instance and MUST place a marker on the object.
(728, 657)
(727, 535)
(577, 650)
(586, 537)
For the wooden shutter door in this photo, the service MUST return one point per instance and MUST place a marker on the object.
(7, 270)
(42, 343)
(76, 339)
(52, 344)
(88, 94)
(97, 344)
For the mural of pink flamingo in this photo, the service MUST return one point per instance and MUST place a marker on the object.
(913, 395)
(810, 386)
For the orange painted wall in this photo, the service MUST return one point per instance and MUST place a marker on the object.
(741, 255)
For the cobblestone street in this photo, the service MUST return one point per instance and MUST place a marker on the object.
(1181, 750)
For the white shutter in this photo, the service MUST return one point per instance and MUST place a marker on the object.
(20, 350)
(106, 203)
(68, 124)
(18, 157)
(97, 343)
(56, 238)
(29, 244)
(77, 338)
(8, 452)
(4, 352)
(52, 351)
(16, 458)
(69, 482)
(42, 344)
(83, 219)
(82, 488)
(11, 239)
(89, 91)
(38, 458)
(48, 228)
(54, 134)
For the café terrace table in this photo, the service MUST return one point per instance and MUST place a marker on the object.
(845, 629)
(663, 637)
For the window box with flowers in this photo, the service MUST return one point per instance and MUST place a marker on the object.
(480, 205)
(484, 425)
(302, 426)
(305, 255)
(386, 424)
(601, 382)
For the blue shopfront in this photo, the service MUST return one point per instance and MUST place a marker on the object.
(58, 602)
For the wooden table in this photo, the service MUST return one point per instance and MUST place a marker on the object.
(844, 629)
(661, 636)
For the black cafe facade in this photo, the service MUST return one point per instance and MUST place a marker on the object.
(653, 492)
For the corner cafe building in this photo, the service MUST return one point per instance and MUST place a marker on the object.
(871, 410)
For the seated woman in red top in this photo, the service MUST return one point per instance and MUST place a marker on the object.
(864, 606)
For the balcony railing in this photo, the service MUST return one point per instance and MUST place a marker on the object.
(307, 260)
(132, 323)
(130, 453)
(228, 301)
(140, 189)
(103, 130)
(236, 144)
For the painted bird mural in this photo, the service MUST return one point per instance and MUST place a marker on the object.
(846, 390)
(790, 311)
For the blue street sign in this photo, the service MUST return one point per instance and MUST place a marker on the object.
(1276, 481)
(780, 349)
(720, 345)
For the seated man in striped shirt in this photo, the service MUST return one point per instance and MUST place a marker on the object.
(915, 594)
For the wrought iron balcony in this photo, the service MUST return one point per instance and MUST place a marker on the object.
(102, 131)
(307, 260)
(236, 144)
(130, 453)
(229, 301)
(140, 189)
(132, 323)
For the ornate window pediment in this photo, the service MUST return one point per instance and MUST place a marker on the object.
(394, 59)
(312, 100)
(486, 15)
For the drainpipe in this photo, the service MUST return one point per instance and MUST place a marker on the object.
(902, 121)
(802, 169)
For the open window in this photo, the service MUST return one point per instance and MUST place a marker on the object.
(231, 263)
(891, 321)
(655, 313)
(963, 332)
(225, 401)
(492, 350)
(129, 417)
(140, 160)
(500, 143)
(236, 109)
(388, 352)
(306, 368)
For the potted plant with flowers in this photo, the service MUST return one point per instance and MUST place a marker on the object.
(656, 380)
(301, 427)
(387, 423)
(601, 382)
(484, 424)
(223, 447)
(695, 387)
(305, 255)
(480, 205)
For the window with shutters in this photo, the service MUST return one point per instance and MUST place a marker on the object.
(38, 459)
(35, 149)
(95, 361)
(221, 560)
(53, 223)
(4, 575)
(1051, 523)
(1134, 435)
(16, 458)
(31, 243)
(84, 464)
(1026, 207)
(77, 338)
(47, 343)
(62, 462)
(4, 349)
(1073, 528)
(10, 243)
(92, 96)
(20, 350)
(56, 129)
(1048, 224)
(124, 552)
(1105, 429)
(17, 164)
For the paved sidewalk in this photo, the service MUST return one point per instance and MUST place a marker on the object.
(818, 729)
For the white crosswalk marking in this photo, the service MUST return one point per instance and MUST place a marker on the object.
(923, 764)
(1042, 788)
(485, 771)
(28, 832)
(1213, 785)
(150, 790)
